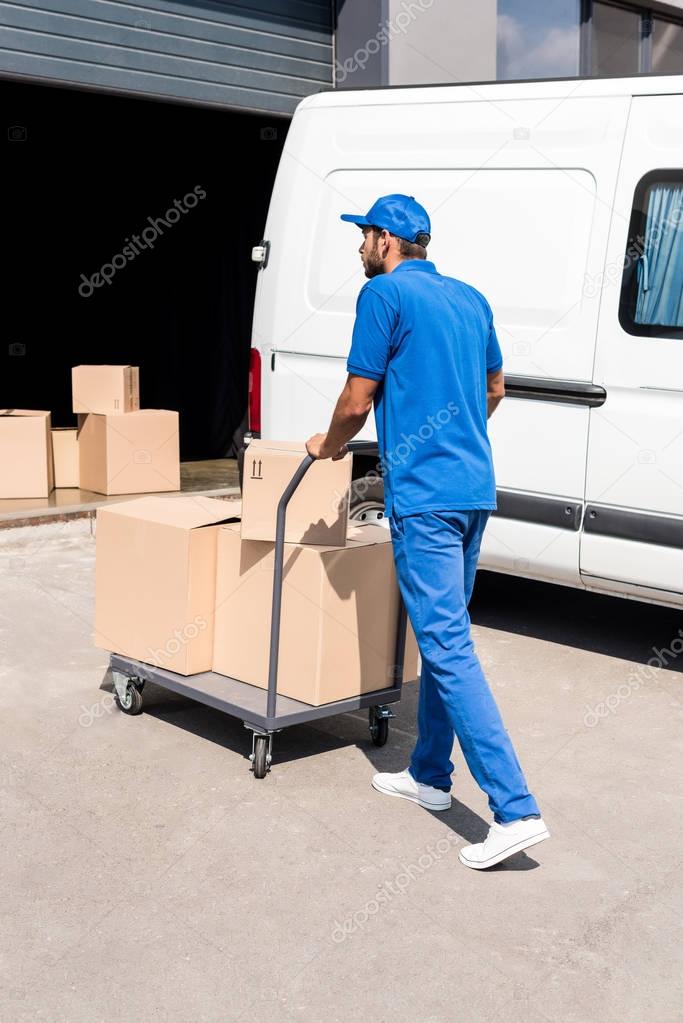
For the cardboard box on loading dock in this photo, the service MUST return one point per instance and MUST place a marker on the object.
(65, 456)
(132, 453)
(317, 512)
(105, 389)
(339, 615)
(156, 579)
(25, 453)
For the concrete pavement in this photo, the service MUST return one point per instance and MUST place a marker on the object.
(147, 876)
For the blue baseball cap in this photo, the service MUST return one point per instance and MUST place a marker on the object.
(399, 214)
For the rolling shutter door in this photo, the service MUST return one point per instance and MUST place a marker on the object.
(261, 57)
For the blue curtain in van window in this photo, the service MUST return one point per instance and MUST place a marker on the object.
(660, 269)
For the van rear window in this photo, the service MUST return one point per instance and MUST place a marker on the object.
(652, 287)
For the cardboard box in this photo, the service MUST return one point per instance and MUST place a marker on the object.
(25, 453)
(156, 577)
(319, 509)
(65, 456)
(339, 610)
(131, 453)
(104, 389)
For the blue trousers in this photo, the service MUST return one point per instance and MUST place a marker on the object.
(436, 557)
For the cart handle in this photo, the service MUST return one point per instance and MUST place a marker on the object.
(296, 479)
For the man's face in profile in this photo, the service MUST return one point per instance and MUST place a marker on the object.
(372, 263)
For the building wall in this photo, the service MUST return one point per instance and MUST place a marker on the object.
(406, 42)
(442, 41)
(413, 42)
(361, 59)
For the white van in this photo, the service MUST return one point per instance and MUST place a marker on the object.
(563, 203)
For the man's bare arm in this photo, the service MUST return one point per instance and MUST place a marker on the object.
(495, 391)
(351, 411)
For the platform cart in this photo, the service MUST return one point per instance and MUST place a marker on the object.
(264, 711)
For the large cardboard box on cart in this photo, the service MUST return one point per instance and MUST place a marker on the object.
(25, 453)
(155, 579)
(339, 615)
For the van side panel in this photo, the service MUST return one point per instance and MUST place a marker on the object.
(635, 457)
(520, 192)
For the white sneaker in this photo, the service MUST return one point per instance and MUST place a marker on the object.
(502, 841)
(404, 785)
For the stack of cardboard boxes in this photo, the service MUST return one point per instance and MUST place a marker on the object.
(122, 448)
(186, 584)
(117, 448)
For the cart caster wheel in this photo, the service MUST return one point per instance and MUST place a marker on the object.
(260, 764)
(379, 729)
(131, 702)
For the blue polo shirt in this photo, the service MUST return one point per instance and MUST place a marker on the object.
(430, 341)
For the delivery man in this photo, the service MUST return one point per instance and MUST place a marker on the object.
(425, 352)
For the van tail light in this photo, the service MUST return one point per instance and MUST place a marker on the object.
(254, 406)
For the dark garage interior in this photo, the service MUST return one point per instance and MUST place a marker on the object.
(87, 174)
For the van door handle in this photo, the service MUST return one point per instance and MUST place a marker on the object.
(570, 392)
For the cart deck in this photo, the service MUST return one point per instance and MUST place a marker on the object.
(264, 711)
(243, 700)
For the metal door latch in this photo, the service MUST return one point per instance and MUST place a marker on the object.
(260, 253)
